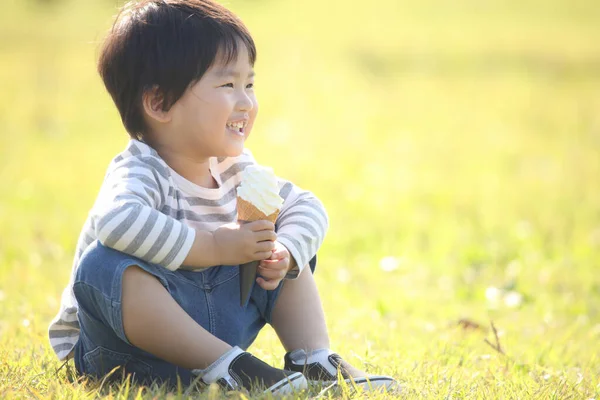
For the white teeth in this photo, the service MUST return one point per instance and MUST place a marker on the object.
(237, 125)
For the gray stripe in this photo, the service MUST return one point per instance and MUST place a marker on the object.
(71, 310)
(144, 148)
(105, 219)
(63, 347)
(314, 204)
(134, 150)
(234, 169)
(285, 190)
(148, 163)
(172, 212)
(160, 241)
(157, 166)
(150, 193)
(192, 216)
(309, 200)
(57, 334)
(312, 245)
(221, 159)
(176, 247)
(142, 234)
(297, 245)
(132, 198)
(163, 172)
(284, 217)
(71, 324)
(145, 179)
(117, 159)
(87, 239)
(122, 228)
(227, 197)
(305, 225)
(135, 162)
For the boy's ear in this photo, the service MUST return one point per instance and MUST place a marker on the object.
(152, 101)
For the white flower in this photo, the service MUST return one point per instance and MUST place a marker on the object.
(513, 299)
(389, 264)
(493, 294)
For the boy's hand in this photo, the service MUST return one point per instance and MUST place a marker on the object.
(273, 270)
(239, 244)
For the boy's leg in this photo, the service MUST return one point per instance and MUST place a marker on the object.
(151, 322)
(299, 321)
(155, 323)
(298, 316)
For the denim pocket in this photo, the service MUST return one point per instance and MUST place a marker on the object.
(101, 361)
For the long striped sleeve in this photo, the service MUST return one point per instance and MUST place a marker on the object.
(126, 215)
(301, 225)
(302, 222)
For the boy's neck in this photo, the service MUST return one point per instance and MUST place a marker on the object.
(194, 170)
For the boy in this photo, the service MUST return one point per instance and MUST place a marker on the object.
(155, 281)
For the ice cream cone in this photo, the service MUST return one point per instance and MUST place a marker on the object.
(257, 199)
(247, 212)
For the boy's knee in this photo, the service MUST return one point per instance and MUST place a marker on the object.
(106, 269)
(95, 263)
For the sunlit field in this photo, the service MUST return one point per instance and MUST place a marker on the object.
(455, 144)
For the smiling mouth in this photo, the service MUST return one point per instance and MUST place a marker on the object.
(238, 127)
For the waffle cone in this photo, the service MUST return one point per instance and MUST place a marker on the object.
(248, 212)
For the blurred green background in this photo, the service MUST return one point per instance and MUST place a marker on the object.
(455, 144)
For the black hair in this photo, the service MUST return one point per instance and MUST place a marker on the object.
(168, 45)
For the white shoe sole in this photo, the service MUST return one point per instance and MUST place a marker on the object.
(373, 383)
(289, 385)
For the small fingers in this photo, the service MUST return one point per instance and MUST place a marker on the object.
(267, 245)
(267, 285)
(261, 255)
(280, 254)
(270, 273)
(262, 236)
(262, 225)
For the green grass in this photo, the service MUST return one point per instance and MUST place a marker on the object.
(460, 138)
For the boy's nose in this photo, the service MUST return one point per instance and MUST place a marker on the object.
(245, 103)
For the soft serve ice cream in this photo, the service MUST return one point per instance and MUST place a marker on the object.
(258, 194)
(257, 199)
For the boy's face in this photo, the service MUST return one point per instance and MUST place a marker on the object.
(215, 116)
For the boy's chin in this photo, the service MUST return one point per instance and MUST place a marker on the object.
(233, 151)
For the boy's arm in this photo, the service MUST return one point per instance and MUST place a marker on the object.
(301, 225)
(126, 217)
(302, 221)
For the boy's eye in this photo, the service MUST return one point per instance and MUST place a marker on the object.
(230, 85)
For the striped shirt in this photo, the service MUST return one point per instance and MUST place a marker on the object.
(147, 210)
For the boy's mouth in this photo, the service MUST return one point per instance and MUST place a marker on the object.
(237, 127)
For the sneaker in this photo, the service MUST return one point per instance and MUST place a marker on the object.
(238, 370)
(322, 366)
